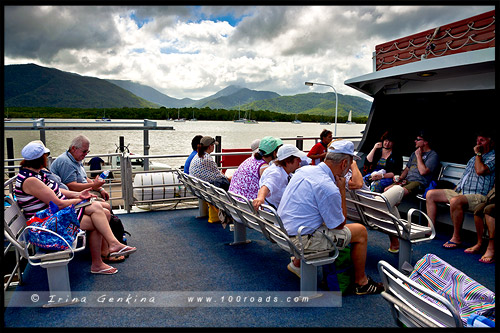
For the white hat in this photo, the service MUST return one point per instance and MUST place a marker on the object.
(255, 145)
(343, 147)
(288, 150)
(34, 150)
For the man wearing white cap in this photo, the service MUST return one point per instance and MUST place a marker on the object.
(315, 199)
(275, 178)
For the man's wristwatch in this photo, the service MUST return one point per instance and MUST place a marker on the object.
(479, 154)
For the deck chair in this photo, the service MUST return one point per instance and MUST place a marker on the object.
(309, 262)
(409, 308)
(379, 214)
(56, 263)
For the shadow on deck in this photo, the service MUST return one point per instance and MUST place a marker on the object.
(180, 253)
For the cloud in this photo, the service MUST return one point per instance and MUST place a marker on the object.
(195, 51)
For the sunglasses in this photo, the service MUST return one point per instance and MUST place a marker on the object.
(419, 139)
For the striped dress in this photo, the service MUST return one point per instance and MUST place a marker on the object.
(31, 204)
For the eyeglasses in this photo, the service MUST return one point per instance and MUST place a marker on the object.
(83, 151)
(418, 139)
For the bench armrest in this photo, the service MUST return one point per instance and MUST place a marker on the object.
(429, 221)
(22, 237)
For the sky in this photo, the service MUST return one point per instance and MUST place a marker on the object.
(196, 51)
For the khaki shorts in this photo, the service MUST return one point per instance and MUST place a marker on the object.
(317, 242)
(414, 187)
(473, 200)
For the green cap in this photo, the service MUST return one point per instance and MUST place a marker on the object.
(269, 144)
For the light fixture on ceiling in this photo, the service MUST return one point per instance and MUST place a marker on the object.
(426, 74)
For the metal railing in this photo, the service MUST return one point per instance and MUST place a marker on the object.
(123, 188)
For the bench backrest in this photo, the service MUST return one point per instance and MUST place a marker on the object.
(14, 224)
(277, 232)
(246, 212)
(376, 210)
(409, 307)
(451, 172)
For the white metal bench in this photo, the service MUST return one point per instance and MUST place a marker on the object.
(309, 262)
(409, 308)
(376, 213)
(56, 263)
(245, 216)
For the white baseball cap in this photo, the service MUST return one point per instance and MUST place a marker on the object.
(255, 145)
(288, 150)
(343, 147)
(34, 150)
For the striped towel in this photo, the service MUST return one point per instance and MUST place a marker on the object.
(467, 295)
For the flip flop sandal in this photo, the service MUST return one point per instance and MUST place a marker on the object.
(452, 246)
(106, 271)
(471, 251)
(124, 251)
(112, 260)
(487, 260)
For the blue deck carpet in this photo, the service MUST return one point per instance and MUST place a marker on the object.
(178, 252)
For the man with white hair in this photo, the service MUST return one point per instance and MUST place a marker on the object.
(315, 198)
(69, 166)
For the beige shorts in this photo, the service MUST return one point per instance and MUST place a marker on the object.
(317, 242)
(473, 200)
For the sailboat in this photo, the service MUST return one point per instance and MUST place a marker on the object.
(178, 117)
(296, 121)
(250, 121)
(103, 117)
(193, 119)
(349, 119)
(240, 120)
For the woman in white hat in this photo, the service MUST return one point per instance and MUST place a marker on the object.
(34, 191)
(275, 178)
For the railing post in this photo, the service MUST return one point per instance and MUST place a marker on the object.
(127, 182)
(299, 143)
(40, 124)
(10, 155)
(146, 142)
(218, 149)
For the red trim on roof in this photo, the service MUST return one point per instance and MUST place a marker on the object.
(474, 33)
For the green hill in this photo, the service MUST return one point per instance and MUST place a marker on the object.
(315, 104)
(31, 85)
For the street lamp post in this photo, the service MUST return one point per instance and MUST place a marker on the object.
(336, 99)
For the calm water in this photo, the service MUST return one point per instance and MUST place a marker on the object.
(177, 141)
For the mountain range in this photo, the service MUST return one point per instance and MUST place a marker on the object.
(31, 85)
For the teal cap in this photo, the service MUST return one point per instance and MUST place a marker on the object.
(269, 144)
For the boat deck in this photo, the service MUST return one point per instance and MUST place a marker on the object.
(178, 252)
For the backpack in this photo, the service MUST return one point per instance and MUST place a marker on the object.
(118, 230)
(339, 275)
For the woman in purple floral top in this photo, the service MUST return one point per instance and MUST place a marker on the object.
(245, 180)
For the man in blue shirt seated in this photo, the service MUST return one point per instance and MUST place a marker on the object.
(194, 144)
(69, 166)
(477, 180)
(315, 198)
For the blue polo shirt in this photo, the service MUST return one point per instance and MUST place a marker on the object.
(310, 199)
(66, 167)
(188, 161)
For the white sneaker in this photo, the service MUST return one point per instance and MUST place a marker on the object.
(294, 269)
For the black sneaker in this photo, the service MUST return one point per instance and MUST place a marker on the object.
(371, 287)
